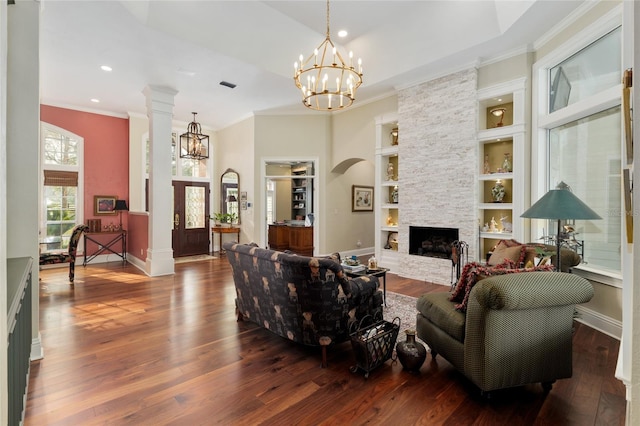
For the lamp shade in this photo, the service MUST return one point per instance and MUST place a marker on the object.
(559, 204)
(121, 205)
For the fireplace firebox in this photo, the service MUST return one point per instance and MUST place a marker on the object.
(432, 242)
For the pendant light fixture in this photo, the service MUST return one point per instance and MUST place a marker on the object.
(193, 144)
(327, 83)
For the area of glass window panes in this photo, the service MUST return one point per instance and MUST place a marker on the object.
(270, 201)
(195, 207)
(188, 167)
(586, 155)
(587, 72)
(60, 216)
(59, 149)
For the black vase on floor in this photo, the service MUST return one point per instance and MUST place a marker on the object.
(411, 353)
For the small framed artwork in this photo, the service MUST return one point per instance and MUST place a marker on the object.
(104, 204)
(243, 195)
(243, 205)
(361, 198)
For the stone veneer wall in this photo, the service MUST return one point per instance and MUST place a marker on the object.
(438, 167)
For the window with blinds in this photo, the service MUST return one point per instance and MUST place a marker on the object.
(61, 154)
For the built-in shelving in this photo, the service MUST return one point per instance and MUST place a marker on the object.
(300, 193)
(501, 137)
(387, 185)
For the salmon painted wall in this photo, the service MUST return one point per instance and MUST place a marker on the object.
(106, 155)
(138, 236)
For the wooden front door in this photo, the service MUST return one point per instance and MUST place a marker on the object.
(191, 224)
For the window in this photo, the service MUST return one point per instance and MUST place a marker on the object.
(580, 137)
(585, 154)
(586, 73)
(61, 165)
(187, 168)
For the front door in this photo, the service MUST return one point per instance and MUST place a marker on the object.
(191, 225)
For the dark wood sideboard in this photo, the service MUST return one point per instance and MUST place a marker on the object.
(298, 239)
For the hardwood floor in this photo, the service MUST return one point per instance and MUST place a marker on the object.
(122, 348)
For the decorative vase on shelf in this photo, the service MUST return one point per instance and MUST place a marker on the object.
(498, 192)
(410, 352)
(506, 163)
(394, 195)
(486, 168)
(394, 136)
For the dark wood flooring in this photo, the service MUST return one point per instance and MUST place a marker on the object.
(125, 349)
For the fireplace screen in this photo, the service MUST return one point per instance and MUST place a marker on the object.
(432, 242)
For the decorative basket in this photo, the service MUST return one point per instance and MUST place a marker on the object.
(373, 344)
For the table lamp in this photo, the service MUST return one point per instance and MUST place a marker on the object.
(121, 205)
(560, 204)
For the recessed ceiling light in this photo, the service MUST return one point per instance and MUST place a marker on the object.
(94, 100)
(106, 68)
(343, 33)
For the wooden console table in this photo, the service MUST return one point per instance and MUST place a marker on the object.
(224, 230)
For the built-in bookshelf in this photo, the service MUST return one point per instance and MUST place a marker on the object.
(503, 178)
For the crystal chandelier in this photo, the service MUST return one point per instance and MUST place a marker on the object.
(193, 144)
(327, 83)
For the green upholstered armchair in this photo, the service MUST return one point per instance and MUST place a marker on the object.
(517, 328)
(70, 256)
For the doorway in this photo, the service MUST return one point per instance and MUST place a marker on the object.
(290, 194)
(191, 230)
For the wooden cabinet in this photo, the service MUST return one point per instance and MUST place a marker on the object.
(298, 239)
(278, 237)
(301, 240)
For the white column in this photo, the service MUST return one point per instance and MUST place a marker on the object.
(160, 112)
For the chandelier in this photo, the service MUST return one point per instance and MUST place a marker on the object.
(193, 144)
(327, 83)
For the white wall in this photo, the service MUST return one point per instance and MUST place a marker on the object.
(3, 208)
(234, 149)
(293, 137)
(19, 136)
(23, 139)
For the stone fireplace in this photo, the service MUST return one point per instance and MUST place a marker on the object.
(437, 171)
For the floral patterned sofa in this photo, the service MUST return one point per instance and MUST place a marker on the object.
(308, 300)
(70, 256)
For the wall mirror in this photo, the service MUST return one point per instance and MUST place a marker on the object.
(229, 193)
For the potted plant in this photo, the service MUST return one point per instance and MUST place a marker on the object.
(230, 218)
(218, 218)
(224, 219)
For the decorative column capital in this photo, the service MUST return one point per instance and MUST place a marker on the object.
(159, 98)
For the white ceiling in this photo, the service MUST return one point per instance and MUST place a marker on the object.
(191, 46)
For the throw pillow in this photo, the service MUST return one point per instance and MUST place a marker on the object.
(475, 272)
(502, 252)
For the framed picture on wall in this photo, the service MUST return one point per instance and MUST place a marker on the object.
(104, 204)
(361, 198)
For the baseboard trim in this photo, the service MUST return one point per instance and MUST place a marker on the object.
(37, 351)
(597, 321)
(367, 251)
